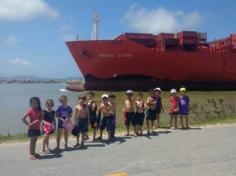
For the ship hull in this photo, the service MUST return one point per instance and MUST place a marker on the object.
(120, 65)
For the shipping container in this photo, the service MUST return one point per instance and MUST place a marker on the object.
(163, 36)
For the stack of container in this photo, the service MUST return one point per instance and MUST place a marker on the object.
(166, 41)
(146, 40)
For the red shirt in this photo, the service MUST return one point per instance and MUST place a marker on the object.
(174, 104)
(34, 115)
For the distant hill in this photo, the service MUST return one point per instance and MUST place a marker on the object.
(25, 77)
(2, 78)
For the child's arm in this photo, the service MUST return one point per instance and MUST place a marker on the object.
(24, 119)
(76, 114)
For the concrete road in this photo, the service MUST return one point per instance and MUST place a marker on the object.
(195, 152)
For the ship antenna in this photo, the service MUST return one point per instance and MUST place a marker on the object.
(96, 20)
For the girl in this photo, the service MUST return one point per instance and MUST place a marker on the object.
(159, 107)
(35, 116)
(63, 113)
(140, 109)
(174, 108)
(49, 123)
(184, 107)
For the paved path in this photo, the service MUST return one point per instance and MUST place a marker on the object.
(208, 151)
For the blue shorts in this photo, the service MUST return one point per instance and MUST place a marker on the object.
(82, 125)
(130, 119)
(60, 124)
(183, 113)
(151, 114)
(139, 118)
(33, 133)
(107, 122)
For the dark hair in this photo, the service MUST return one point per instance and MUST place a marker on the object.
(50, 100)
(63, 96)
(91, 93)
(37, 100)
(82, 98)
(111, 95)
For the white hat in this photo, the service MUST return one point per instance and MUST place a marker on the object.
(173, 91)
(158, 89)
(129, 92)
(105, 96)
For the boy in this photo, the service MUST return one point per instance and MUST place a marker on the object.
(140, 115)
(151, 112)
(159, 107)
(174, 108)
(63, 113)
(112, 99)
(92, 106)
(81, 120)
(184, 107)
(107, 113)
(129, 112)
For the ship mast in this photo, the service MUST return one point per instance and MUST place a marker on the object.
(96, 20)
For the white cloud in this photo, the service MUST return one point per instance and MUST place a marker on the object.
(21, 10)
(11, 40)
(19, 62)
(161, 20)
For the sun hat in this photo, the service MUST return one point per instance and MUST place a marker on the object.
(173, 91)
(129, 92)
(105, 96)
(158, 89)
(183, 89)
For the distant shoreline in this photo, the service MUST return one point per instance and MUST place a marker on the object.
(52, 81)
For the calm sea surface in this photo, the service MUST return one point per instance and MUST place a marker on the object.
(15, 101)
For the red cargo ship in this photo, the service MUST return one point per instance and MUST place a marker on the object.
(142, 61)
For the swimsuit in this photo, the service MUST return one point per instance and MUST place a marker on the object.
(63, 112)
(34, 114)
(107, 123)
(183, 105)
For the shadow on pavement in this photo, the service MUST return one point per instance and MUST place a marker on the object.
(50, 156)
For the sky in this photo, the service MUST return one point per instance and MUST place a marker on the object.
(33, 32)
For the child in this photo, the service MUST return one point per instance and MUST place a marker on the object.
(107, 113)
(140, 109)
(35, 116)
(49, 122)
(129, 112)
(184, 107)
(112, 99)
(92, 106)
(151, 112)
(63, 113)
(174, 108)
(159, 107)
(81, 119)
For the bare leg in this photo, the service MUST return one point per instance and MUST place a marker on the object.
(186, 118)
(135, 130)
(66, 137)
(127, 128)
(175, 120)
(181, 121)
(152, 124)
(101, 131)
(158, 120)
(94, 134)
(59, 131)
(148, 126)
(45, 142)
(82, 139)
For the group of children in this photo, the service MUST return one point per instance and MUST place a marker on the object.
(100, 117)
